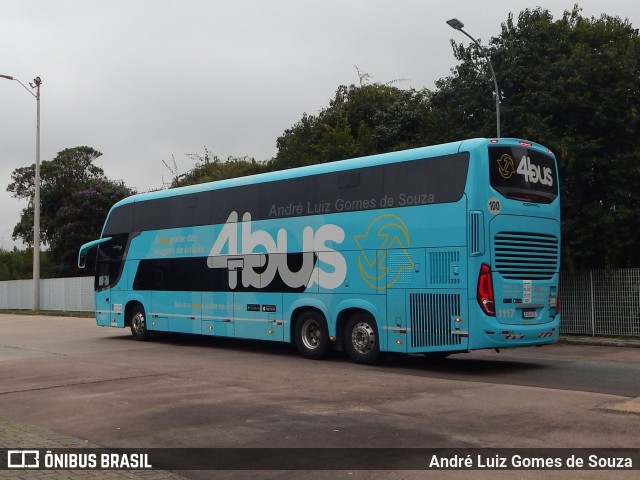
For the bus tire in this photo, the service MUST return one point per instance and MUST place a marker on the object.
(138, 321)
(361, 340)
(311, 335)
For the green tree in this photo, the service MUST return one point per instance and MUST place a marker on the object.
(75, 199)
(15, 264)
(360, 120)
(572, 84)
(18, 264)
(210, 168)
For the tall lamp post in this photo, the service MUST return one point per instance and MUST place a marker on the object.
(458, 25)
(35, 85)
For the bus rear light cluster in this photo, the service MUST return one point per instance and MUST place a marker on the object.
(484, 292)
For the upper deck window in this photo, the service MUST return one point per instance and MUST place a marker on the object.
(423, 181)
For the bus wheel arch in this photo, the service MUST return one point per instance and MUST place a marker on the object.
(136, 319)
(310, 333)
(361, 338)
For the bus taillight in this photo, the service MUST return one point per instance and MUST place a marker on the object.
(484, 293)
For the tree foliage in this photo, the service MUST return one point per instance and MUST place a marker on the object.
(210, 168)
(18, 264)
(75, 198)
(360, 120)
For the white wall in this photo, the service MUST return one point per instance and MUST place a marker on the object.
(59, 294)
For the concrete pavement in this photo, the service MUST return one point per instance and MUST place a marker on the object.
(16, 435)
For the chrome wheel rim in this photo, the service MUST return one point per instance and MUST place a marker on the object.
(363, 338)
(137, 322)
(311, 334)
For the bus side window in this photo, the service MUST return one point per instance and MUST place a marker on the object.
(159, 281)
(349, 180)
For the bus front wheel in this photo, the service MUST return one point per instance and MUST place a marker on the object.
(139, 323)
(312, 335)
(361, 340)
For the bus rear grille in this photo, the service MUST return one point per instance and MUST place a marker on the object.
(526, 256)
(431, 317)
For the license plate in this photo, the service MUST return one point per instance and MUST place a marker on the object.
(529, 313)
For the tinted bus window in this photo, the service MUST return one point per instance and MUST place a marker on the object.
(109, 262)
(404, 184)
(523, 174)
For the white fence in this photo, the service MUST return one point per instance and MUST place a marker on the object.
(594, 302)
(58, 294)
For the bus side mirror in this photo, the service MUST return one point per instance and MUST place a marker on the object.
(82, 259)
(82, 253)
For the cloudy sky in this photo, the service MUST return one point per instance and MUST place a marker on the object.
(144, 81)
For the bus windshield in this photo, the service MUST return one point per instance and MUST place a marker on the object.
(523, 173)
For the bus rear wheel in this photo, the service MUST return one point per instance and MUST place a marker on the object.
(361, 340)
(138, 322)
(311, 335)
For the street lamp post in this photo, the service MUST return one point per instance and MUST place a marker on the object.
(458, 25)
(35, 85)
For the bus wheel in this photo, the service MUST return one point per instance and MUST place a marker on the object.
(139, 324)
(312, 335)
(361, 339)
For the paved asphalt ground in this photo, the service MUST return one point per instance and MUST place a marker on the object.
(63, 380)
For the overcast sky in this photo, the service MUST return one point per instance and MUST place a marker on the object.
(144, 81)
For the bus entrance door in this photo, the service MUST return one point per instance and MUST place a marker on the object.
(105, 314)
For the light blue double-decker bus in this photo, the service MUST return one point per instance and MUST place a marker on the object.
(446, 248)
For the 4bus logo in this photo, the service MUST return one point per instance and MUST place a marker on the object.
(506, 167)
(532, 173)
(255, 258)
